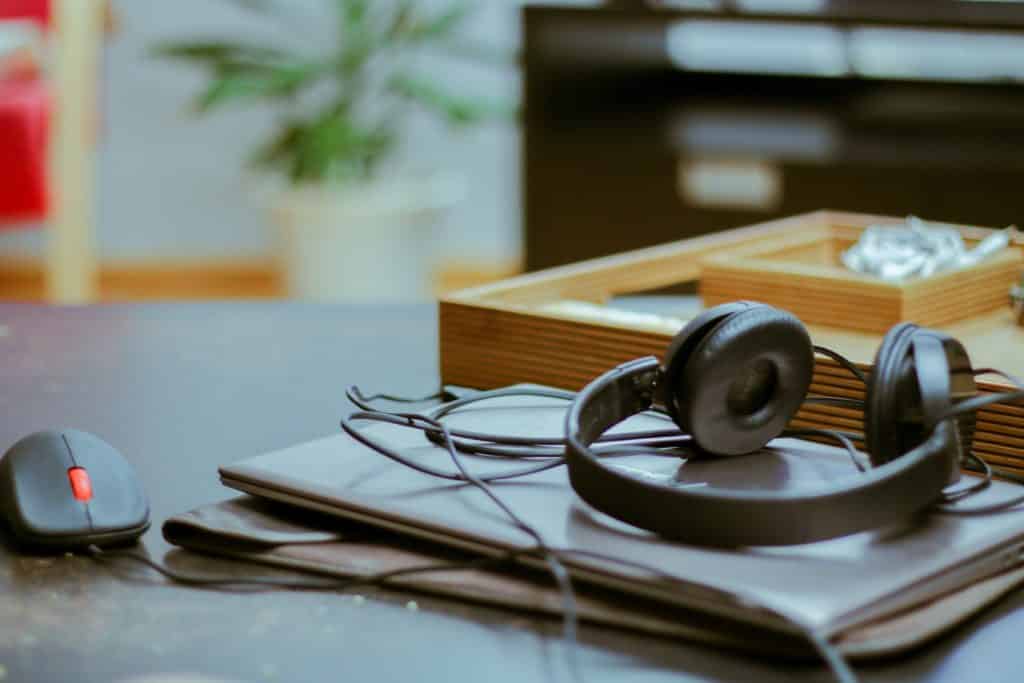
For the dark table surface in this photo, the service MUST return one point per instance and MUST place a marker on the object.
(181, 388)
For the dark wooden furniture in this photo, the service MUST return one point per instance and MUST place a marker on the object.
(774, 114)
(182, 388)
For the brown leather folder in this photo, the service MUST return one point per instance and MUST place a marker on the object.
(340, 508)
(265, 532)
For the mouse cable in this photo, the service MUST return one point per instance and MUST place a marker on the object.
(826, 650)
(386, 579)
(379, 578)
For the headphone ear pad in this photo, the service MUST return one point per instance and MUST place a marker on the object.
(678, 352)
(963, 386)
(892, 394)
(918, 374)
(745, 380)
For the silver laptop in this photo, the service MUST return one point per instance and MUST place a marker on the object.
(831, 586)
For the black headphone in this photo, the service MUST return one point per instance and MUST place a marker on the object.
(732, 379)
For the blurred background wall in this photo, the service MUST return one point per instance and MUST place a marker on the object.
(172, 187)
(644, 122)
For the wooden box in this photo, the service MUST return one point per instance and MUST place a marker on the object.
(514, 331)
(802, 273)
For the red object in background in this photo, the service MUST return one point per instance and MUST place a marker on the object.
(24, 117)
(36, 10)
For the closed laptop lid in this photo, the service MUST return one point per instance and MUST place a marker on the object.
(830, 585)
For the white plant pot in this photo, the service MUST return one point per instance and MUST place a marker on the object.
(370, 242)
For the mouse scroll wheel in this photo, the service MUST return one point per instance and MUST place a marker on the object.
(81, 487)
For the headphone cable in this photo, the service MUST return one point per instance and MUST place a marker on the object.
(843, 362)
(356, 397)
(555, 566)
(826, 650)
(972, 405)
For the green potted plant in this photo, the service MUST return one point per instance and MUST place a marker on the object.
(351, 227)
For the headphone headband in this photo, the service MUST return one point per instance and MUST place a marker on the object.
(732, 517)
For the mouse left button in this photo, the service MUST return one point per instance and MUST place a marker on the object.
(81, 484)
(40, 506)
(116, 500)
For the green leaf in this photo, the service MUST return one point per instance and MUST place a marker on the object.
(356, 54)
(227, 88)
(336, 146)
(458, 110)
(360, 39)
(354, 14)
(332, 142)
(216, 51)
(281, 147)
(283, 81)
(402, 19)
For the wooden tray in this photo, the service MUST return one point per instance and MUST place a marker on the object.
(802, 273)
(507, 332)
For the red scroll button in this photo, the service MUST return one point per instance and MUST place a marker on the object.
(80, 484)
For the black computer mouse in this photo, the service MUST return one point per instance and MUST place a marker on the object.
(68, 489)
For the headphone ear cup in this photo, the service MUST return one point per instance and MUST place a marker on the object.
(681, 347)
(744, 380)
(962, 386)
(889, 387)
(918, 374)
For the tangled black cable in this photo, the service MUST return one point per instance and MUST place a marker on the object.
(648, 442)
(974, 462)
(549, 454)
(950, 498)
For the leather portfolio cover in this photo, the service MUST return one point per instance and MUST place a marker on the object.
(275, 534)
(873, 593)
